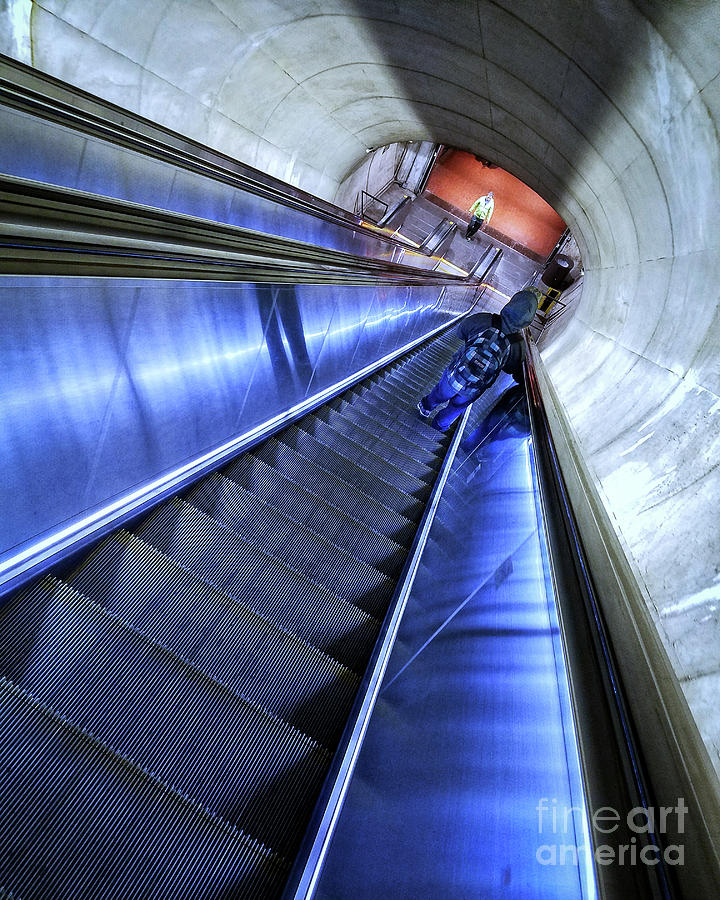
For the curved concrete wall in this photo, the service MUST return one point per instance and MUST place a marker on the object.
(608, 110)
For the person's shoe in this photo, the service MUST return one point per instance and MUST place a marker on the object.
(423, 410)
(435, 425)
(468, 238)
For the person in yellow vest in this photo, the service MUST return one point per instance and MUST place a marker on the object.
(480, 213)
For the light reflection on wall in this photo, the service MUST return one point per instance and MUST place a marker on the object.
(108, 384)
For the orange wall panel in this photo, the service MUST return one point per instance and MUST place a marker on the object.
(521, 214)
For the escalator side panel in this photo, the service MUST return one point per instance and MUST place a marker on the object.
(220, 644)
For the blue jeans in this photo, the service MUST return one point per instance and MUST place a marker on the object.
(457, 402)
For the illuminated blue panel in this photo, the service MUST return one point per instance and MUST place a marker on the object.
(109, 383)
(470, 763)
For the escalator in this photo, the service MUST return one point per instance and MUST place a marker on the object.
(174, 704)
(171, 704)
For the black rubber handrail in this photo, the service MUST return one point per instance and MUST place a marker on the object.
(437, 235)
(496, 255)
(393, 211)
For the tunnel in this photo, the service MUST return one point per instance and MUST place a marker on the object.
(186, 279)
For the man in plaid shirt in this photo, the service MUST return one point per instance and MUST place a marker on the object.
(477, 364)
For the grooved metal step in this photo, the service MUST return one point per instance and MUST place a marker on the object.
(84, 796)
(163, 715)
(389, 472)
(412, 385)
(406, 381)
(398, 390)
(363, 479)
(423, 464)
(332, 489)
(262, 583)
(405, 473)
(309, 510)
(211, 630)
(385, 393)
(409, 442)
(406, 419)
(327, 565)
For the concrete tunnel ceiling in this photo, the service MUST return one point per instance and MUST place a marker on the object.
(608, 110)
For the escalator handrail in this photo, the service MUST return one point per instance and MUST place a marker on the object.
(37, 93)
(496, 257)
(49, 229)
(440, 232)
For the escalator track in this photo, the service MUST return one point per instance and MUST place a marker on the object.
(171, 705)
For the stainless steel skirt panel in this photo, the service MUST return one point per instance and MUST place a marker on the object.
(109, 383)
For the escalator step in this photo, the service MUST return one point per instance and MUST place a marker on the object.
(90, 807)
(381, 391)
(412, 385)
(304, 550)
(435, 354)
(408, 442)
(414, 374)
(387, 494)
(232, 757)
(333, 490)
(404, 473)
(326, 519)
(399, 388)
(206, 627)
(421, 375)
(407, 421)
(421, 367)
(420, 463)
(261, 582)
(429, 358)
(383, 422)
(353, 452)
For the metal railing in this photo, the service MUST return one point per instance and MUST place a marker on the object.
(364, 196)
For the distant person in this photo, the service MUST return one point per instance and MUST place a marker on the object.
(480, 214)
(474, 368)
